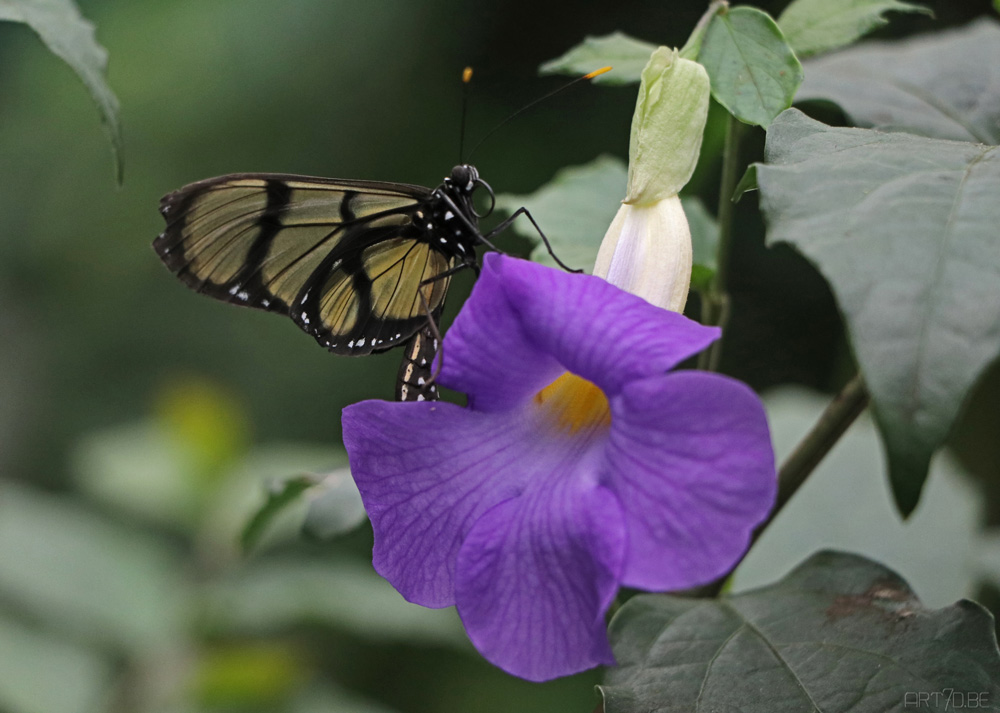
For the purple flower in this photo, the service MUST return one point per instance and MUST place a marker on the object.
(580, 465)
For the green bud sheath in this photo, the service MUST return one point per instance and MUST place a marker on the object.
(667, 127)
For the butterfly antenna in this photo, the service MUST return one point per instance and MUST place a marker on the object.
(466, 79)
(540, 99)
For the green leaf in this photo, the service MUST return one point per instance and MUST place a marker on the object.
(838, 633)
(574, 209)
(279, 494)
(625, 54)
(692, 46)
(69, 36)
(704, 241)
(140, 469)
(332, 506)
(904, 230)
(941, 85)
(813, 26)
(40, 673)
(849, 480)
(272, 596)
(79, 573)
(335, 506)
(754, 72)
(747, 183)
(245, 493)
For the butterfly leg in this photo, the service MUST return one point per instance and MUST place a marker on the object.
(438, 341)
(548, 246)
(438, 352)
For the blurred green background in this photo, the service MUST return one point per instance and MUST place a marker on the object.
(139, 422)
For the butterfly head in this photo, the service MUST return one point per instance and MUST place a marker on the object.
(464, 180)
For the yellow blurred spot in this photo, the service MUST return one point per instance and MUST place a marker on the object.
(573, 403)
(205, 420)
(466, 75)
(258, 675)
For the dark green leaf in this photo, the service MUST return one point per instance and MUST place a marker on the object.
(904, 229)
(813, 26)
(574, 209)
(754, 72)
(70, 37)
(704, 241)
(625, 54)
(280, 494)
(839, 633)
(942, 85)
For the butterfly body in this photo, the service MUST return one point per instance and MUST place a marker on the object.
(359, 265)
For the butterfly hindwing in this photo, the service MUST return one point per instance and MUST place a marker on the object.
(342, 258)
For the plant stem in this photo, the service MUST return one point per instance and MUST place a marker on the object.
(838, 416)
(715, 302)
(836, 419)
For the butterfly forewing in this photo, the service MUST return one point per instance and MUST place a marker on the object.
(342, 258)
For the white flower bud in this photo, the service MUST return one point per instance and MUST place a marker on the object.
(647, 251)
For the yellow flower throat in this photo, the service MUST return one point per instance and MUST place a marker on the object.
(572, 403)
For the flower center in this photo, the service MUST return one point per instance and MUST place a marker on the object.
(573, 403)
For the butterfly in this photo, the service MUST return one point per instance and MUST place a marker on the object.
(361, 266)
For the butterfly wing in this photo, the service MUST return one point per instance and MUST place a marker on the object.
(342, 258)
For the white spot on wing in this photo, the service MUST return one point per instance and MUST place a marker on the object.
(449, 215)
(361, 342)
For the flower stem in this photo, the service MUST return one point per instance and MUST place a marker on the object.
(832, 424)
(715, 301)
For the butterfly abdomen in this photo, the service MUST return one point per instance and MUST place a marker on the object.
(415, 381)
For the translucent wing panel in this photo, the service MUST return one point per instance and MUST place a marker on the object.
(374, 303)
(257, 239)
(342, 258)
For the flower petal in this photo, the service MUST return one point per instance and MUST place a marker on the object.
(426, 471)
(525, 323)
(690, 458)
(537, 573)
